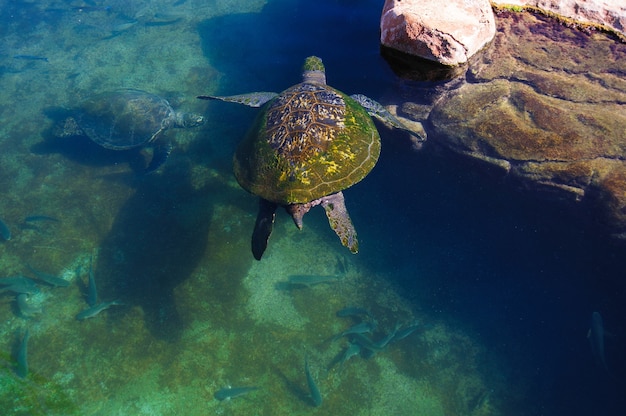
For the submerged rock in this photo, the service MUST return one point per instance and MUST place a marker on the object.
(546, 105)
(446, 32)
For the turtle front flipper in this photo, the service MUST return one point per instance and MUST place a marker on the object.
(340, 221)
(159, 156)
(253, 99)
(263, 227)
(376, 109)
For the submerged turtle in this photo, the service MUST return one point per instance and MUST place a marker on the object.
(308, 144)
(127, 119)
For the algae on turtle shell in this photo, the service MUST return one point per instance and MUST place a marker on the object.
(308, 144)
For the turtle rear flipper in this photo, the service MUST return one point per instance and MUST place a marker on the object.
(376, 109)
(340, 221)
(159, 156)
(263, 227)
(253, 99)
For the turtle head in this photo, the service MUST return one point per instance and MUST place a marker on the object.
(313, 71)
(188, 120)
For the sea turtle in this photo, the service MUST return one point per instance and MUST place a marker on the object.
(308, 144)
(127, 119)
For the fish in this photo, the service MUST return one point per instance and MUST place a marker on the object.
(12, 280)
(366, 343)
(316, 396)
(4, 231)
(386, 340)
(360, 328)
(19, 284)
(39, 218)
(351, 351)
(31, 57)
(164, 19)
(22, 356)
(309, 280)
(374, 346)
(479, 401)
(406, 331)
(48, 278)
(228, 393)
(95, 310)
(121, 27)
(92, 291)
(25, 308)
(251, 100)
(596, 338)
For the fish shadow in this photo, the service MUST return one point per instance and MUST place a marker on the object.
(293, 387)
(154, 244)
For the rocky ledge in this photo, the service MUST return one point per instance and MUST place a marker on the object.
(545, 105)
(450, 32)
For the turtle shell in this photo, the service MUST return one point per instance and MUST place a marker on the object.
(309, 142)
(124, 119)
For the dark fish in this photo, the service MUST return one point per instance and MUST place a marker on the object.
(22, 356)
(25, 308)
(596, 338)
(39, 218)
(48, 278)
(4, 231)
(316, 396)
(95, 310)
(351, 351)
(386, 340)
(360, 328)
(31, 58)
(366, 343)
(406, 331)
(92, 291)
(374, 346)
(20, 284)
(228, 393)
(8, 281)
(479, 401)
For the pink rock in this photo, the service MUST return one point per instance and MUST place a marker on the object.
(447, 31)
(610, 13)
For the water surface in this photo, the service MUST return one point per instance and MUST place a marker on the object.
(504, 284)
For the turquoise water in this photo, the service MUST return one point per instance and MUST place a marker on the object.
(503, 285)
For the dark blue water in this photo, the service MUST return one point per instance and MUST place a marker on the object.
(524, 273)
(265, 51)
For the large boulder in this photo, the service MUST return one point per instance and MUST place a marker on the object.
(545, 104)
(448, 32)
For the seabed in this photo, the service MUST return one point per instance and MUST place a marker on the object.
(198, 312)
